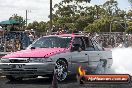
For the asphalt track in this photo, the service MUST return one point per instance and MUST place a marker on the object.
(47, 83)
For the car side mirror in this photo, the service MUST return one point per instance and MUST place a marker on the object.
(32, 48)
(76, 47)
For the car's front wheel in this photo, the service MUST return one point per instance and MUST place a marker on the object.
(13, 78)
(61, 69)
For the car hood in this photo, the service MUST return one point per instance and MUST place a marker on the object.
(38, 52)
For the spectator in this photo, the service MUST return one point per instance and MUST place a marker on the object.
(17, 45)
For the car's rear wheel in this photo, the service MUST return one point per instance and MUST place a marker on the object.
(101, 68)
(13, 78)
(61, 69)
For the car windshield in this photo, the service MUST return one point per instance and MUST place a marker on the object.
(52, 42)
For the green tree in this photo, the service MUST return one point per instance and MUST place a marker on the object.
(129, 29)
(111, 7)
(19, 19)
(99, 25)
(130, 2)
(42, 26)
(38, 26)
(71, 15)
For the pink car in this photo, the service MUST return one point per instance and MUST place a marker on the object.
(60, 53)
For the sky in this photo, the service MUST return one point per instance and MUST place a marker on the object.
(38, 10)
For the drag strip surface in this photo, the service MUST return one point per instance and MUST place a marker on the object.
(47, 83)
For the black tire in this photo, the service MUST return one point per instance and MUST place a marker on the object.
(61, 69)
(101, 67)
(13, 78)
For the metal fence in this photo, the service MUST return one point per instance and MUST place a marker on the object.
(14, 41)
(114, 39)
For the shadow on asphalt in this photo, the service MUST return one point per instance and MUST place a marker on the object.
(43, 81)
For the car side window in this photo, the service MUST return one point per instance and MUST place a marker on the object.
(98, 46)
(80, 42)
(88, 44)
(95, 46)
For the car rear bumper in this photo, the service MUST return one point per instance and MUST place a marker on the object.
(24, 69)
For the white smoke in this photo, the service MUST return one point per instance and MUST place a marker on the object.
(122, 60)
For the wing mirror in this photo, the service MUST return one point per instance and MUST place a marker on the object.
(32, 48)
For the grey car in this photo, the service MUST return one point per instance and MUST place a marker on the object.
(62, 54)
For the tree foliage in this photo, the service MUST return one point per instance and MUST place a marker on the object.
(18, 19)
(130, 2)
(38, 26)
(78, 15)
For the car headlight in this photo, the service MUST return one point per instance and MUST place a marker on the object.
(4, 60)
(40, 60)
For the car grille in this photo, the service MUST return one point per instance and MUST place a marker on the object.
(18, 61)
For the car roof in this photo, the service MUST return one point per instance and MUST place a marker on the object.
(70, 35)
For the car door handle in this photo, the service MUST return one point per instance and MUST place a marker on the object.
(86, 54)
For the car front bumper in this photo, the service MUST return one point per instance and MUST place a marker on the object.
(25, 69)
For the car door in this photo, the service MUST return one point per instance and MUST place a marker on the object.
(93, 54)
(79, 58)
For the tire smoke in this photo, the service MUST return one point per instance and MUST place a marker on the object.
(122, 61)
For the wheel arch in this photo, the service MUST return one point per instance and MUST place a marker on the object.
(105, 62)
(64, 60)
(66, 64)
